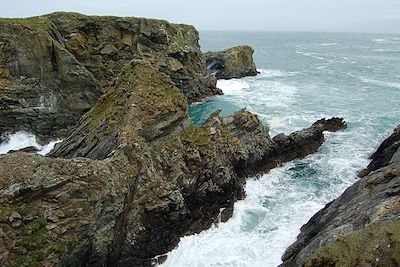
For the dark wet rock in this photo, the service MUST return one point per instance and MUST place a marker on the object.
(235, 62)
(29, 149)
(359, 228)
(384, 153)
(133, 177)
(55, 67)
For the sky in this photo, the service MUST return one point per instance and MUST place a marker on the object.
(234, 15)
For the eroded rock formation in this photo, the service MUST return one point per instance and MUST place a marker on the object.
(235, 62)
(54, 68)
(134, 176)
(362, 226)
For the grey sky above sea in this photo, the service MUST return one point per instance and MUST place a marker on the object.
(235, 15)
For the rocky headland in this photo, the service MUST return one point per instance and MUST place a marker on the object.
(362, 226)
(235, 62)
(54, 68)
(133, 174)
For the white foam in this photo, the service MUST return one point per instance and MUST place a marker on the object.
(328, 44)
(233, 86)
(379, 40)
(21, 140)
(386, 40)
(312, 55)
(380, 83)
(270, 73)
(276, 122)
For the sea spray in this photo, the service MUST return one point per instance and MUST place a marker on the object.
(20, 140)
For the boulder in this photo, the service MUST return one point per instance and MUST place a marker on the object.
(54, 68)
(131, 179)
(235, 62)
(360, 227)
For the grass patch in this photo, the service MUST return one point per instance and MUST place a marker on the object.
(376, 245)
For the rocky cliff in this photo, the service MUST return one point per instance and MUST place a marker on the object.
(134, 176)
(54, 68)
(235, 62)
(362, 226)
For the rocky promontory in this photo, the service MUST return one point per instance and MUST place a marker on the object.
(235, 62)
(54, 68)
(134, 176)
(362, 226)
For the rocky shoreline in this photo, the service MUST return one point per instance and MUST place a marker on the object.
(133, 175)
(138, 176)
(361, 227)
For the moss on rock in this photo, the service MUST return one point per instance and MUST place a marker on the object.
(376, 245)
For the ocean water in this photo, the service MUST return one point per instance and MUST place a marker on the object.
(303, 77)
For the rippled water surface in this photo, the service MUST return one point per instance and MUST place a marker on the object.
(304, 77)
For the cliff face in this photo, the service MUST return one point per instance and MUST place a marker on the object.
(54, 68)
(235, 62)
(148, 177)
(362, 226)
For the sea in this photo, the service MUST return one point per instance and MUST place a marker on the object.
(303, 77)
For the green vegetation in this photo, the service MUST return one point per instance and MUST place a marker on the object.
(197, 136)
(30, 249)
(376, 245)
(179, 39)
(41, 23)
(22, 211)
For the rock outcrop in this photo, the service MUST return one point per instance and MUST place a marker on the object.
(362, 226)
(134, 176)
(54, 68)
(235, 62)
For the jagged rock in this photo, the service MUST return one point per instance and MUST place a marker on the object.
(54, 68)
(359, 228)
(384, 153)
(148, 177)
(235, 62)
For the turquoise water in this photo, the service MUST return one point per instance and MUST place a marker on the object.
(304, 77)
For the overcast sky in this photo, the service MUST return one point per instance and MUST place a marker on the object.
(256, 15)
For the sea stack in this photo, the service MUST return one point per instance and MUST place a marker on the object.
(235, 62)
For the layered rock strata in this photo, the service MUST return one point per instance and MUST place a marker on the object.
(235, 62)
(134, 176)
(362, 226)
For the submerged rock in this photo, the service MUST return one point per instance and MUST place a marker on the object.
(235, 62)
(54, 68)
(362, 226)
(133, 177)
